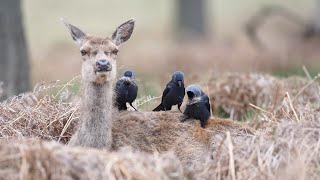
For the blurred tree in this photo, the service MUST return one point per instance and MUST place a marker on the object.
(191, 18)
(310, 27)
(317, 15)
(14, 64)
(313, 28)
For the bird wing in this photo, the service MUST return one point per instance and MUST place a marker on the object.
(136, 90)
(184, 93)
(166, 91)
(118, 84)
(207, 102)
(120, 90)
(133, 91)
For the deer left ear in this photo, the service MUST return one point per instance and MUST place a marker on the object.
(77, 35)
(123, 32)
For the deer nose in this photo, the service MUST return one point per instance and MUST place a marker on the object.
(103, 65)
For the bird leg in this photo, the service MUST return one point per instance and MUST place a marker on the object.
(179, 105)
(133, 107)
(203, 123)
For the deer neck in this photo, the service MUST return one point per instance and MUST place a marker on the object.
(96, 115)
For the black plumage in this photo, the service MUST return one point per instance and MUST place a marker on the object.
(173, 94)
(198, 105)
(126, 91)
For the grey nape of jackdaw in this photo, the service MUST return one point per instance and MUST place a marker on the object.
(173, 94)
(198, 105)
(126, 90)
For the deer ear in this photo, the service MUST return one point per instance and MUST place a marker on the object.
(123, 32)
(76, 34)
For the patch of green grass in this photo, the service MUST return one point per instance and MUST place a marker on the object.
(222, 113)
(248, 116)
(296, 71)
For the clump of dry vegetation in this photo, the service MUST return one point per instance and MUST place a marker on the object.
(34, 159)
(285, 146)
(234, 94)
(288, 148)
(43, 113)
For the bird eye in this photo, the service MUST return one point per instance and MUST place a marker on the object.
(115, 51)
(83, 52)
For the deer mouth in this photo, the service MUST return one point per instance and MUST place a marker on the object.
(103, 74)
(103, 71)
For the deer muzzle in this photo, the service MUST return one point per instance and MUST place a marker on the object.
(103, 65)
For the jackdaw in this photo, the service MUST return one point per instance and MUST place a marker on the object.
(173, 93)
(126, 90)
(198, 105)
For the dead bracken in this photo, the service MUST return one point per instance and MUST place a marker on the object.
(284, 146)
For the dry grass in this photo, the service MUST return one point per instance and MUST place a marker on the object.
(286, 145)
(42, 113)
(287, 150)
(34, 159)
(234, 94)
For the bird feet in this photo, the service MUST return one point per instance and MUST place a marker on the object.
(133, 107)
(184, 118)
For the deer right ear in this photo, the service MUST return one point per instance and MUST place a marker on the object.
(123, 32)
(77, 35)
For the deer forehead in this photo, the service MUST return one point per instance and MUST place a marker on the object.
(99, 43)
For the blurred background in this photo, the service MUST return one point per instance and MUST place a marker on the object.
(203, 38)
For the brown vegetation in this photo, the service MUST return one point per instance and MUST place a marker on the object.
(233, 93)
(34, 159)
(286, 146)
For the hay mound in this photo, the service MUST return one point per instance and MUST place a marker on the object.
(291, 151)
(40, 114)
(232, 94)
(34, 159)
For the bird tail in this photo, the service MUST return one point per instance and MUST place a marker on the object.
(159, 108)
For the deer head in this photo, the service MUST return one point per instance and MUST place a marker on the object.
(99, 54)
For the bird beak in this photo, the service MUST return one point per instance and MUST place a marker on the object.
(180, 83)
(190, 94)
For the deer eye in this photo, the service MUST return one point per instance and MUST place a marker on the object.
(83, 52)
(115, 51)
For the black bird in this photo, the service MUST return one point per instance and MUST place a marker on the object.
(126, 90)
(173, 93)
(198, 105)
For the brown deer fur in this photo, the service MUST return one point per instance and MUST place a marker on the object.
(102, 127)
(163, 131)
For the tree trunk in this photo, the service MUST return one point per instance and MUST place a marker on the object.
(14, 64)
(191, 18)
(317, 15)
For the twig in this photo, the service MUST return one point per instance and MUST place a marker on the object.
(305, 70)
(231, 159)
(148, 100)
(256, 107)
(291, 106)
(304, 87)
(67, 124)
